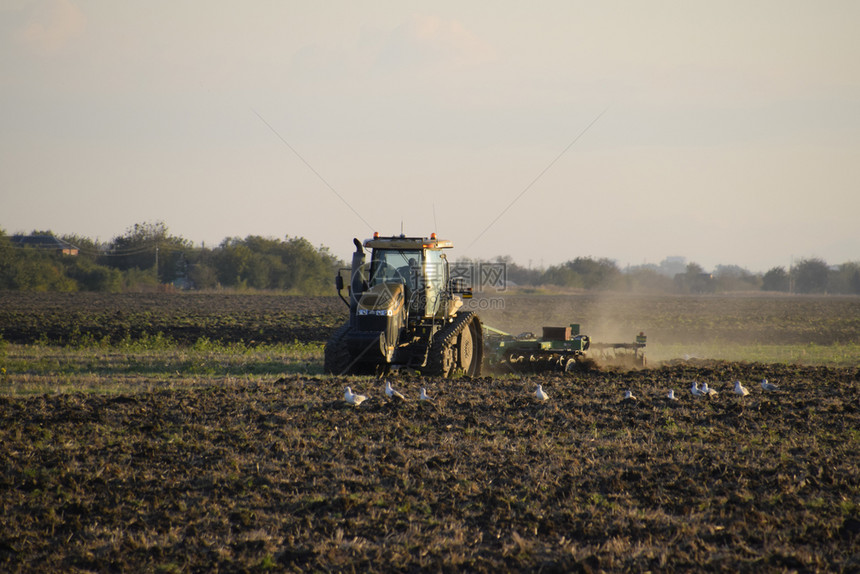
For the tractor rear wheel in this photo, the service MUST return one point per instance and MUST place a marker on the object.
(458, 348)
(469, 352)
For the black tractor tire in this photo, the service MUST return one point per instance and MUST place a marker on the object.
(470, 348)
(458, 348)
(337, 359)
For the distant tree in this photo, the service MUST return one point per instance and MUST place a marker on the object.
(265, 263)
(201, 272)
(137, 280)
(810, 276)
(7, 261)
(32, 269)
(645, 278)
(309, 269)
(142, 246)
(595, 273)
(776, 279)
(733, 271)
(844, 279)
(734, 278)
(563, 276)
(35, 270)
(650, 267)
(583, 272)
(237, 266)
(92, 277)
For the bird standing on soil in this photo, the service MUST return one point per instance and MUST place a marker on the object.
(422, 395)
(353, 398)
(629, 396)
(696, 391)
(540, 394)
(390, 392)
(740, 389)
(768, 386)
(671, 396)
(708, 391)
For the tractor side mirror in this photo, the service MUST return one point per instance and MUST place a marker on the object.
(338, 282)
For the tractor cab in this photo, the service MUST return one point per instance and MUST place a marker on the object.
(419, 265)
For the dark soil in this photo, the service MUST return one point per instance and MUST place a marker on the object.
(285, 475)
(69, 318)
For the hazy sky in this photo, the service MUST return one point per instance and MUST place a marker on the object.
(726, 132)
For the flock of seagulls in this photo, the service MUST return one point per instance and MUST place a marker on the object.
(356, 399)
(541, 395)
(703, 391)
(739, 389)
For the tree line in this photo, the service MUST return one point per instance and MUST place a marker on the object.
(807, 276)
(148, 257)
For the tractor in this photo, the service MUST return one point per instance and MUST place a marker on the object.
(405, 311)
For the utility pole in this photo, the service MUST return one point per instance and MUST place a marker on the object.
(156, 263)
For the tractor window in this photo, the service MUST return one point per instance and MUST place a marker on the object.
(395, 266)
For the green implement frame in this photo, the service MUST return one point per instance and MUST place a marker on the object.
(560, 348)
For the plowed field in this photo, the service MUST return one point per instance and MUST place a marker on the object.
(279, 473)
(185, 318)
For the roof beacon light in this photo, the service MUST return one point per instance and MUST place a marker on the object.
(376, 235)
(433, 237)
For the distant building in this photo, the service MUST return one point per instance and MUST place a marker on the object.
(46, 242)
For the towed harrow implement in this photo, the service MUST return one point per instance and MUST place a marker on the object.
(558, 349)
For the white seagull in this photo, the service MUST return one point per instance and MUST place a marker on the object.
(768, 386)
(707, 391)
(353, 398)
(671, 396)
(540, 394)
(629, 396)
(695, 390)
(389, 392)
(422, 395)
(740, 389)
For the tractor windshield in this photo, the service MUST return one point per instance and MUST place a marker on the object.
(396, 266)
(424, 273)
